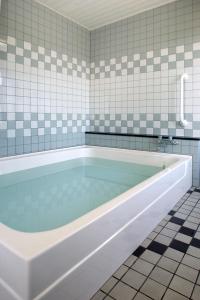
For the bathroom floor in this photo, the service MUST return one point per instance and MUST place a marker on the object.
(167, 264)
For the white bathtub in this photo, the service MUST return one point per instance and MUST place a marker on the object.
(73, 261)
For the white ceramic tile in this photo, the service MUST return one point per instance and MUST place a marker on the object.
(150, 256)
(196, 293)
(153, 289)
(134, 279)
(187, 272)
(168, 264)
(162, 276)
(172, 295)
(182, 286)
(122, 291)
(143, 266)
(109, 284)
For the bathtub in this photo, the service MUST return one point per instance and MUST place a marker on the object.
(73, 261)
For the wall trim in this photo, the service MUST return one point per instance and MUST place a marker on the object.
(142, 135)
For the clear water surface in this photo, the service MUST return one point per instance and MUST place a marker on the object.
(51, 196)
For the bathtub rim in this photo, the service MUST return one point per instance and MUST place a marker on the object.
(85, 147)
(28, 252)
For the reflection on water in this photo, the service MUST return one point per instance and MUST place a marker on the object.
(48, 197)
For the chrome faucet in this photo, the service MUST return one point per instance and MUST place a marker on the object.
(166, 141)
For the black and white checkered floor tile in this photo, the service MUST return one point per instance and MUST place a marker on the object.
(167, 264)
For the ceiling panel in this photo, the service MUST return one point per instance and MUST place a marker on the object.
(93, 14)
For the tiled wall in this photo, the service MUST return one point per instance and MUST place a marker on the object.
(58, 80)
(185, 147)
(136, 66)
(45, 69)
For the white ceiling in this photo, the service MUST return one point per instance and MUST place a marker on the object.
(93, 14)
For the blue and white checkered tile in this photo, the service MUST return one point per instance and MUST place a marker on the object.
(144, 123)
(26, 124)
(150, 61)
(42, 58)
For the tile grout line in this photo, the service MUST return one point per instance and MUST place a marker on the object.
(157, 233)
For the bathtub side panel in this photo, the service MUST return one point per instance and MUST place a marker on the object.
(92, 274)
(14, 274)
(74, 251)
